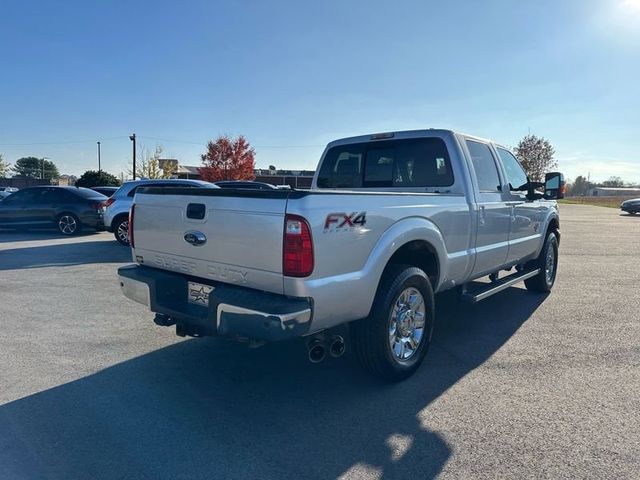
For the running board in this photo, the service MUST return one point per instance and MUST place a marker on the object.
(500, 285)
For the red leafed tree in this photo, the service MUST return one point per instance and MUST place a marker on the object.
(228, 159)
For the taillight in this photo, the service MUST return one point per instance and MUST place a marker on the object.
(108, 202)
(297, 251)
(132, 211)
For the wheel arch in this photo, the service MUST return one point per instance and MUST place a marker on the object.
(62, 213)
(117, 218)
(420, 254)
(553, 225)
(413, 241)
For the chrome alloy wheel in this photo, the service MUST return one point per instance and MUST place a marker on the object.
(550, 265)
(406, 324)
(67, 224)
(123, 232)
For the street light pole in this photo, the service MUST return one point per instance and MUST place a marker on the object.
(133, 139)
(42, 174)
(99, 169)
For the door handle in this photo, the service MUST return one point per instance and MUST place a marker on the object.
(482, 220)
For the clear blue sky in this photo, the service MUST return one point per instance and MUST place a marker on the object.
(299, 74)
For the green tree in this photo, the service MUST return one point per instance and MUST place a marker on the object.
(33, 167)
(95, 178)
(580, 186)
(148, 165)
(536, 157)
(5, 168)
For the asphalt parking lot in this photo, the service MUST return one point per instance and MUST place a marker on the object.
(521, 385)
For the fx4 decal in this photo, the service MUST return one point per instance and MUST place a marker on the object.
(341, 220)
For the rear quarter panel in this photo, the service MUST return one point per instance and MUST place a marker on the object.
(349, 261)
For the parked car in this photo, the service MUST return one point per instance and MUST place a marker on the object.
(390, 219)
(69, 209)
(116, 215)
(245, 184)
(106, 191)
(631, 206)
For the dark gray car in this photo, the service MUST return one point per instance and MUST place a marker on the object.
(69, 209)
(631, 206)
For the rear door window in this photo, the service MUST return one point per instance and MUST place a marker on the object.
(484, 166)
(420, 162)
(55, 196)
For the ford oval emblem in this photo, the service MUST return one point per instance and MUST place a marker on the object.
(195, 238)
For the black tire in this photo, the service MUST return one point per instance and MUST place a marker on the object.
(543, 282)
(371, 336)
(68, 224)
(121, 230)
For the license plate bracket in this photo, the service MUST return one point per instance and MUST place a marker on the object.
(198, 293)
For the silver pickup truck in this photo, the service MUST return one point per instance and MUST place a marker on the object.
(390, 220)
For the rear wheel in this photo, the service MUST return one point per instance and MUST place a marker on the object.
(68, 224)
(392, 342)
(547, 262)
(121, 230)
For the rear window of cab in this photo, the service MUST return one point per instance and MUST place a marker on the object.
(421, 162)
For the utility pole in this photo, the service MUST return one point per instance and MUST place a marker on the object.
(133, 139)
(42, 174)
(99, 169)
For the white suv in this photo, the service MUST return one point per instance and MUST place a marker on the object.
(116, 215)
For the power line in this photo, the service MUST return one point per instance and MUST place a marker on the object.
(67, 142)
(70, 142)
(205, 143)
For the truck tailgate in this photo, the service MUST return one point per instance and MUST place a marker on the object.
(242, 232)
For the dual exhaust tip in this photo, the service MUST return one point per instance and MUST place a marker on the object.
(318, 348)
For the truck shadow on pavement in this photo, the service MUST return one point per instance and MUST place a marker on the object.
(64, 254)
(206, 408)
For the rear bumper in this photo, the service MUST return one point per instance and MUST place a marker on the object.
(233, 311)
(92, 220)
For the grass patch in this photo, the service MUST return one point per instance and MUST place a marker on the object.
(611, 202)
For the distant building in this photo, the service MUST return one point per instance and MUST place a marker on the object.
(186, 171)
(612, 191)
(66, 180)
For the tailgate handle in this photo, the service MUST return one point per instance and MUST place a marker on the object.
(196, 211)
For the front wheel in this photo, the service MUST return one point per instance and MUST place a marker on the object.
(68, 224)
(547, 262)
(392, 342)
